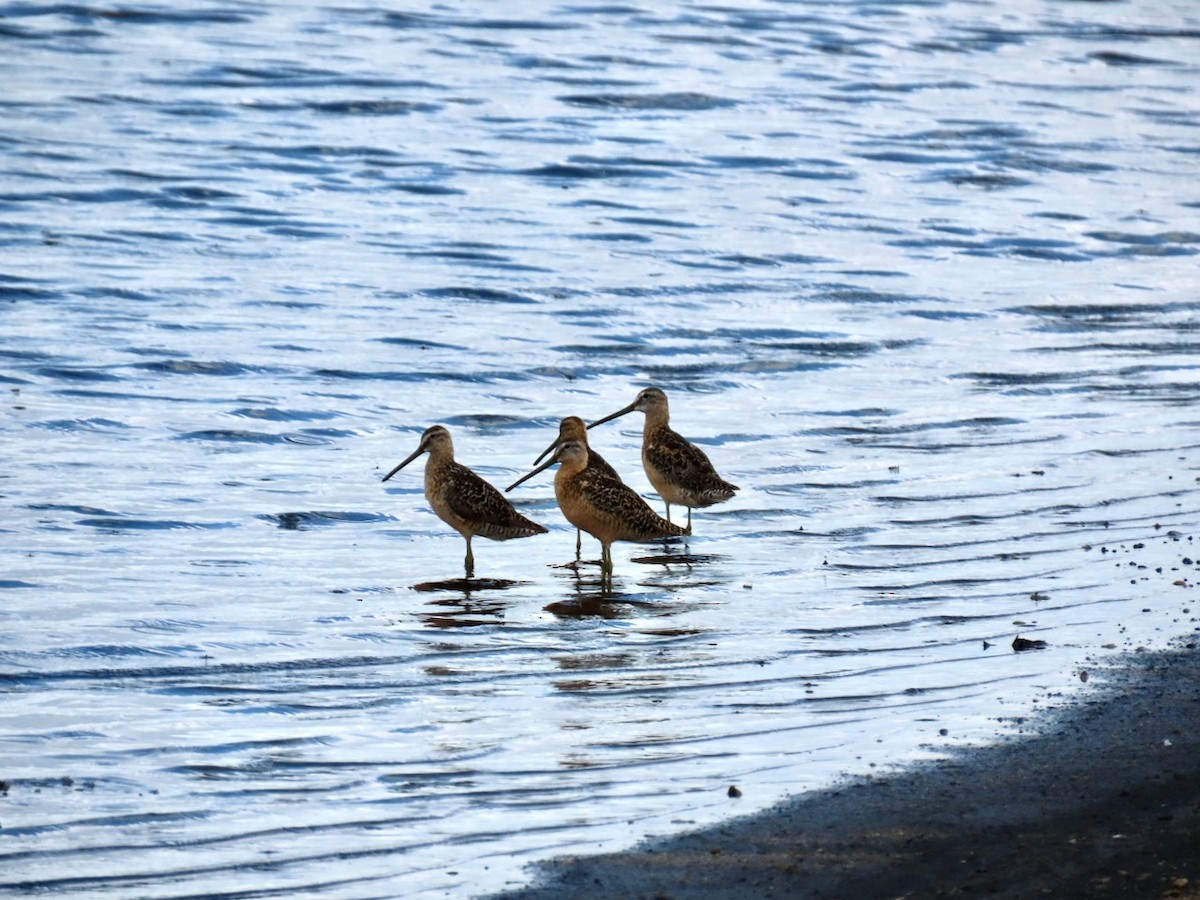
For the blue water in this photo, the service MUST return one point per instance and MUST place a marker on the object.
(920, 277)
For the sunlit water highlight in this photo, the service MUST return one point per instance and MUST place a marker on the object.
(920, 277)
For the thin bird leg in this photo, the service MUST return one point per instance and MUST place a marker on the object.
(606, 567)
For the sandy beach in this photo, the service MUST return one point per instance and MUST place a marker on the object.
(1098, 799)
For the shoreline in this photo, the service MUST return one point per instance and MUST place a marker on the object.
(1102, 799)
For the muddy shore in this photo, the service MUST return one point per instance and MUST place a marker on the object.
(1102, 800)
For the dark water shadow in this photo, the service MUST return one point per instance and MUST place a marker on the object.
(589, 588)
(598, 606)
(593, 594)
(676, 567)
(463, 615)
(466, 586)
(462, 609)
(670, 558)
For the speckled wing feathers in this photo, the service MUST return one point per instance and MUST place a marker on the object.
(475, 501)
(624, 512)
(687, 468)
(597, 463)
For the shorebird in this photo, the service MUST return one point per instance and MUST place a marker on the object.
(600, 504)
(462, 499)
(572, 428)
(679, 470)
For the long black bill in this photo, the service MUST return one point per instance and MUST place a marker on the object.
(414, 455)
(620, 412)
(542, 468)
(553, 446)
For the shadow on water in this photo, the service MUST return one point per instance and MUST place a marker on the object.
(462, 609)
(681, 563)
(591, 593)
(466, 586)
(463, 614)
(595, 595)
(601, 605)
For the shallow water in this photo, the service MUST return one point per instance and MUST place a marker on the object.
(920, 277)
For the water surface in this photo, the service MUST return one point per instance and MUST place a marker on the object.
(920, 277)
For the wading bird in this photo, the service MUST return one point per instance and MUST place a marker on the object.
(679, 470)
(572, 428)
(462, 499)
(601, 505)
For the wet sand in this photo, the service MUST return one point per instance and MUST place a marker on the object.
(1101, 800)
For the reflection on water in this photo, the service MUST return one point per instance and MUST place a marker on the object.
(469, 607)
(466, 586)
(463, 613)
(597, 602)
(922, 278)
(672, 569)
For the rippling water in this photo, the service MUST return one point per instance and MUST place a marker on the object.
(921, 277)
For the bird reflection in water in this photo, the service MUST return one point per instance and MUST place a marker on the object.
(595, 594)
(678, 563)
(591, 594)
(461, 608)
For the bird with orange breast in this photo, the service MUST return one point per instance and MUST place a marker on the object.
(600, 504)
(572, 428)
